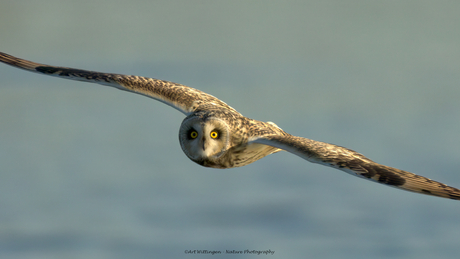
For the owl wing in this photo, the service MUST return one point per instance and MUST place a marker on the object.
(183, 98)
(356, 164)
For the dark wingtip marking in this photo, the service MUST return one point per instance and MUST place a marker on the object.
(66, 71)
(391, 178)
(384, 175)
(47, 70)
(73, 72)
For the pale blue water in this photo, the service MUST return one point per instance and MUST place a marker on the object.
(92, 172)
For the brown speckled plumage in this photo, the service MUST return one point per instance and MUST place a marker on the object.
(241, 140)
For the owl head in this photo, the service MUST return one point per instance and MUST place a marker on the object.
(204, 139)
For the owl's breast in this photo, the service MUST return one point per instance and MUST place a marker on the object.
(239, 156)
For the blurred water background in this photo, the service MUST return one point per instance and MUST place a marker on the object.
(87, 171)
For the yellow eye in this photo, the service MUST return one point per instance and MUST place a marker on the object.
(214, 134)
(193, 134)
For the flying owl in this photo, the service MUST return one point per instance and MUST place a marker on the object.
(213, 134)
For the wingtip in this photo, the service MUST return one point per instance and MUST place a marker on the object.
(18, 62)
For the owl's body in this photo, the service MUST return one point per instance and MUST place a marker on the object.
(213, 134)
(233, 146)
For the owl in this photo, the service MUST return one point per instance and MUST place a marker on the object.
(213, 134)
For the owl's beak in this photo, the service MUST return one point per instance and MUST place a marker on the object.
(203, 142)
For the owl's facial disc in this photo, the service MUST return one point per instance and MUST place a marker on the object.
(203, 139)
